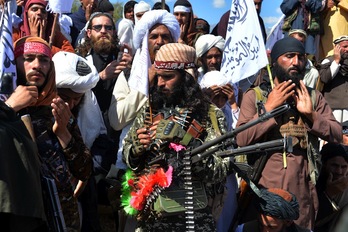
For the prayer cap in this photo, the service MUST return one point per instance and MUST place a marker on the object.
(299, 31)
(340, 39)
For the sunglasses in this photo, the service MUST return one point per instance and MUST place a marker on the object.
(98, 28)
(345, 131)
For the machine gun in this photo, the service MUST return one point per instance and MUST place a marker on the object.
(244, 170)
(226, 140)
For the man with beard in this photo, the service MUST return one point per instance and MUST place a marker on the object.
(64, 157)
(310, 117)
(334, 74)
(332, 187)
(209, 50)
(155, 29)
(101, 48)
(81, 17)
(177, 117)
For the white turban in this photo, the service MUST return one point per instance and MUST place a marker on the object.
(140, 7)
(138, 79)
(75, 73)
(205, 42)
(152, 18)
(213, 78)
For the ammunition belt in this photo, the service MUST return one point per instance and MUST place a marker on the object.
(298, 132)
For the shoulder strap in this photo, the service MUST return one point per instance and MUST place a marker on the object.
(313, 155)
(213, 119)
(261, 97)
(313, 97)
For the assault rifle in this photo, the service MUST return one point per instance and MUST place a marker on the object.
(244, 170)
(54, 215)
(226, 140)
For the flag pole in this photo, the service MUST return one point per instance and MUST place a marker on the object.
(270, 75)
(163, 4)
(53, 32)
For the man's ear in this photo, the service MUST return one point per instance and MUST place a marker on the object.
(89, 32)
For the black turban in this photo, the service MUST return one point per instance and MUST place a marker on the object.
(287, 44)
(279, 203)
(331, 150)
(105, 6)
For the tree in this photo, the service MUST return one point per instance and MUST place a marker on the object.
(75, 6)
(118, 8)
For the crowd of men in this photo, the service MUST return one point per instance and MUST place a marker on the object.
(136, 115)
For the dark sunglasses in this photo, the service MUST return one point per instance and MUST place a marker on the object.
(97, 28)
(345, 131)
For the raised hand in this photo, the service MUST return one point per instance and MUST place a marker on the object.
(114, 68)
(37, 26)
(279, 94)
(335, 187)
(62, 114)
(303, 101)
(22, 97)
(337, 53)
(228, 90)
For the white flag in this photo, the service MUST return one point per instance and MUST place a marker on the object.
(275, 34)
(8, 75)
(59, 6)
(244, 53)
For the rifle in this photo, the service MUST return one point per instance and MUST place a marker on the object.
(225, 141)
(195, 153)
(55, 216)
(54, 213)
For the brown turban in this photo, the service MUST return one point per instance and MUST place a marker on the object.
(36, 45)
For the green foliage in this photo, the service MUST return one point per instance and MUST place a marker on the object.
(75, 6)
(118, 8)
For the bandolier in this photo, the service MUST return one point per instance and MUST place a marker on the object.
(176, 132)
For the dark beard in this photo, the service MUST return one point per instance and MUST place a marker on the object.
(284, 75)
(105, 46)
(344, 56)
(160, 99)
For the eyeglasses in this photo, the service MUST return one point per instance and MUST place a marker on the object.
(98, 28)
(345, 131)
